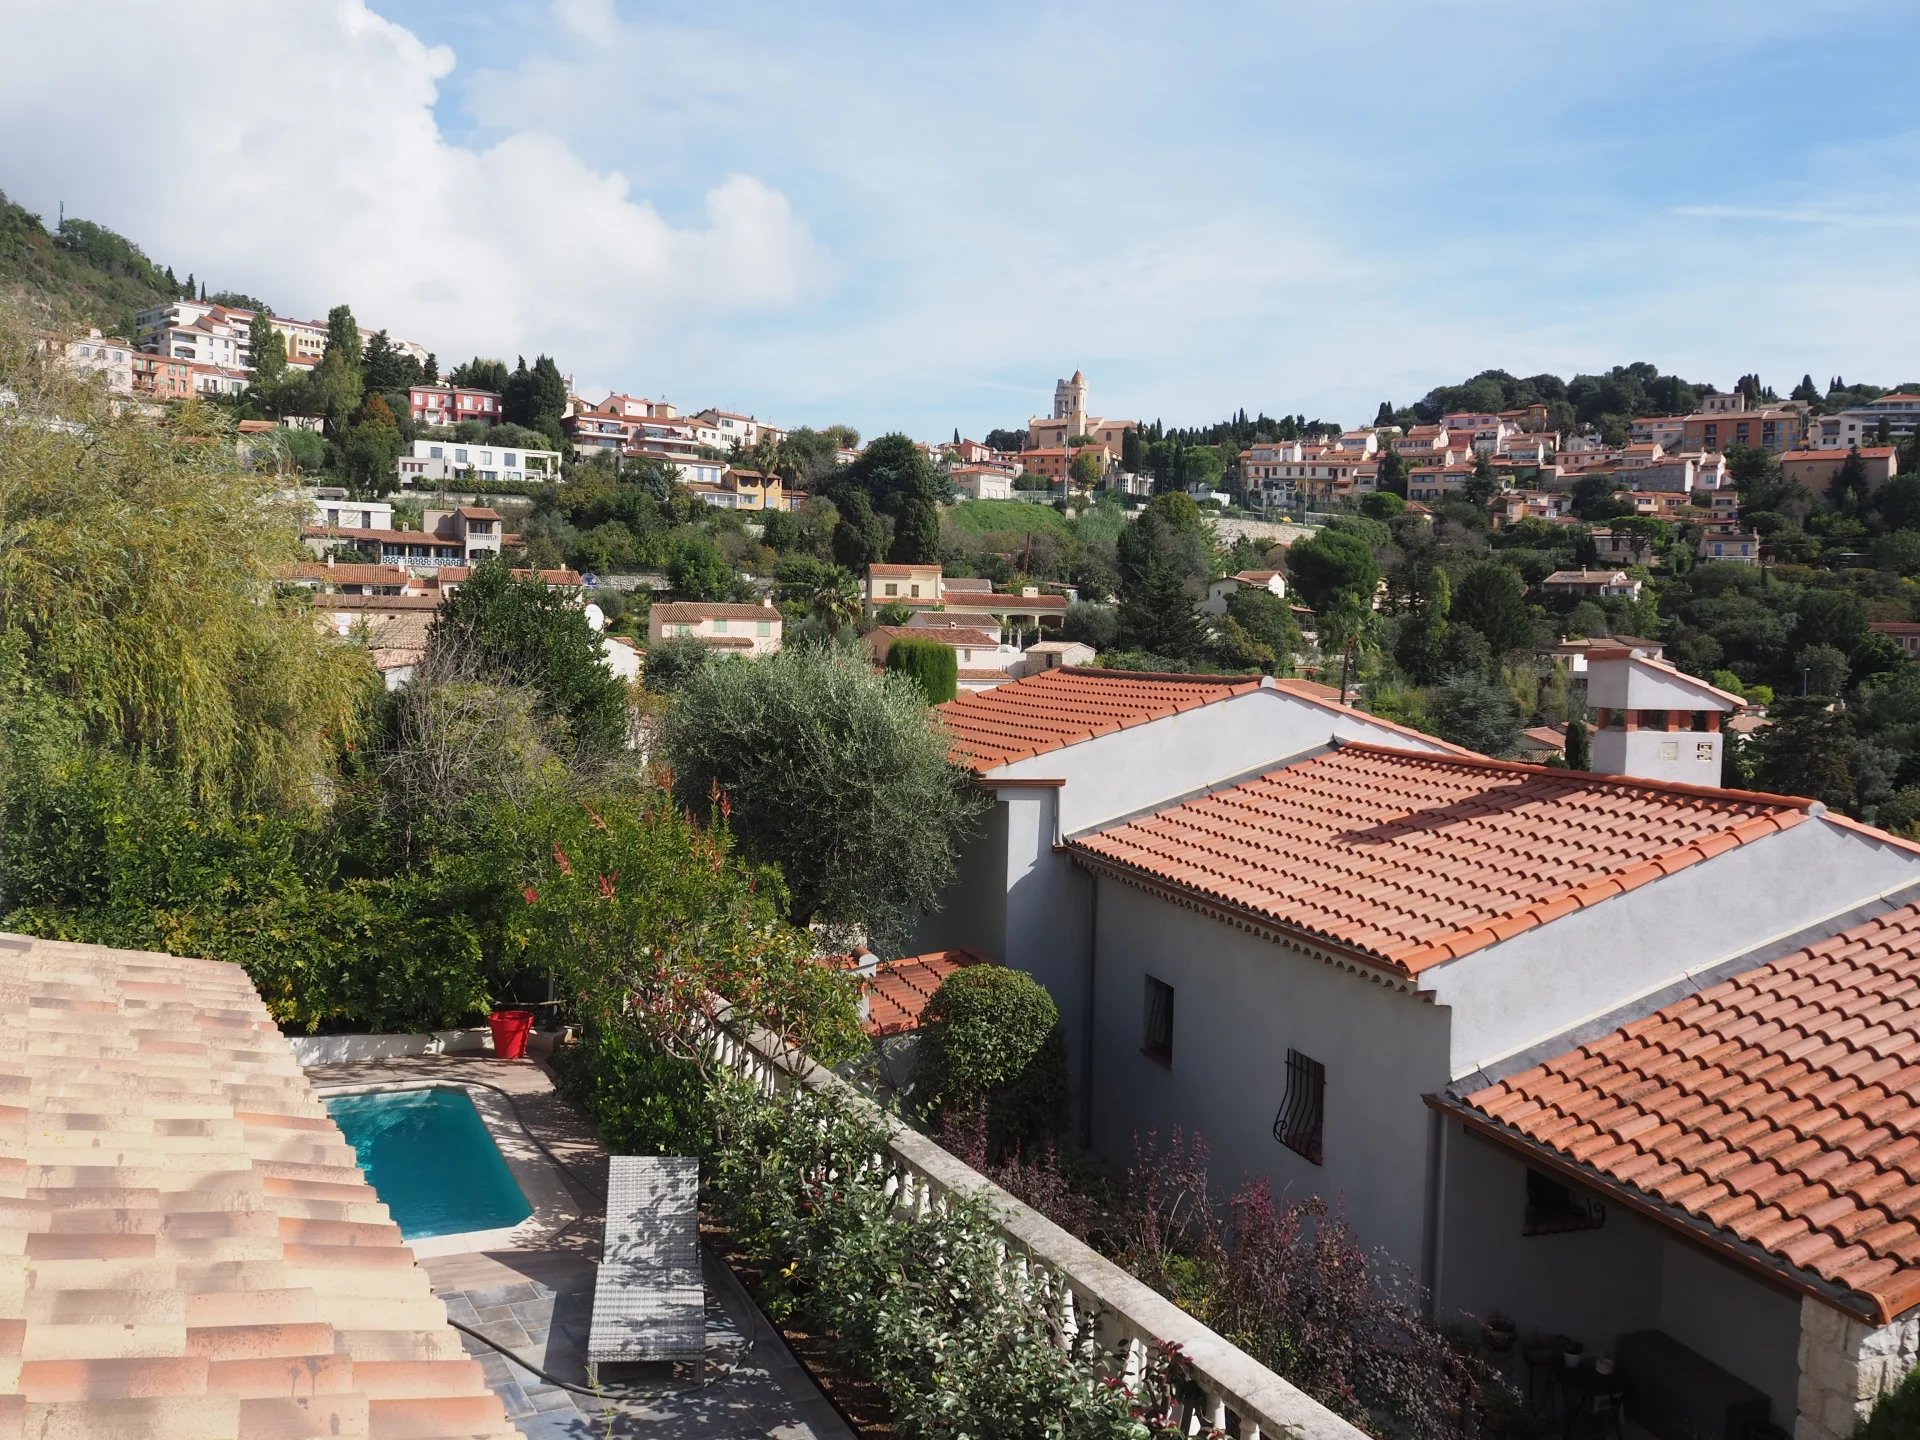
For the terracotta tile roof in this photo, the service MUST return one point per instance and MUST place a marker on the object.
(901, 569)
(346, 573)
(192, 1248)
(1062, 707)
(899, 989)
(1779, 1106)
(692, 612)
(1411, 860)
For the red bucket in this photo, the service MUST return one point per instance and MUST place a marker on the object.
(510, 1030)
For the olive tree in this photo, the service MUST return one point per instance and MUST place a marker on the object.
(831, 772)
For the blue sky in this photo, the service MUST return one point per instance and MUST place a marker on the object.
(918, 216)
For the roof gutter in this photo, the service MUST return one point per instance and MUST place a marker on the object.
(1862, 1307)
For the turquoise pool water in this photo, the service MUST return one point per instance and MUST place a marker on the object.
(430, 1158)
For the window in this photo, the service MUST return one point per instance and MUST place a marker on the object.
(1303, 1109)
(510, 460)
(460, 456)
(763, 628)
(1156, 1040)
(892, 589)
(1556, 1209)
(434, 452)
(683, 630)
(720, 627)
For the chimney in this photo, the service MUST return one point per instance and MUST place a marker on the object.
(1651, 722)
(329, 559)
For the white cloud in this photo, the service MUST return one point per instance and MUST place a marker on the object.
(291, 149)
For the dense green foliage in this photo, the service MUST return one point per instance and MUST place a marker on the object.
(990, 1039)
(932, 665)
(1896, 1414)
(832, 773)
(84, 275)
(526, 633)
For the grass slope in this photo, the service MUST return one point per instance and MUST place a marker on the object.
(1006, 517)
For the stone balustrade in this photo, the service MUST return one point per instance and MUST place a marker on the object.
(1073, 1285)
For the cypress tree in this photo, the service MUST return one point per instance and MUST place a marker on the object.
(932, 665)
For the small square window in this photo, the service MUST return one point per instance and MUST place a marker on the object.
(1156, 1041)
(763, 628)
(719, 627)
(1302, 1117)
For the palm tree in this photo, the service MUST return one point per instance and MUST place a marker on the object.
(837, 603)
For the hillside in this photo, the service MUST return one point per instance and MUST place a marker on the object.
(85, 275)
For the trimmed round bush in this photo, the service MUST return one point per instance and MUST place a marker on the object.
(990, 1038)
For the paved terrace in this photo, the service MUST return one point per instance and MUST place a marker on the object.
(534, 1294)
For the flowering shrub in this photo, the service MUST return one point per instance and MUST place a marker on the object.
(646, 917)
(927, 1307)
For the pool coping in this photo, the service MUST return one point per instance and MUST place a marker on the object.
(554, 1207)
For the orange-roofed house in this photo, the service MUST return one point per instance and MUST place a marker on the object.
(748, 630)
(1815, 469)
(1281, 924)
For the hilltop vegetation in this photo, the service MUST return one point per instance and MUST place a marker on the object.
(84, 274)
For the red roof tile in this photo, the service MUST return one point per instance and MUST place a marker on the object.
(1779, 1105)
(193, 1249)
(1057, 708)
(899, 990)
(1412, 859)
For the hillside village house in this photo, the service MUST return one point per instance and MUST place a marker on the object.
(1816, 468)
(923, 587)
(1220, 591)
(437, 462)
(448, 537)
(94, 355)
(1771, 429)
(1592, 584)
(1899, 411)
(745, 629)
(1624, 1058)
(450, 404)
(1906, 632)
(207, 334)
(1737, 547)
(744, 490)
(981, 482)
(728, 428)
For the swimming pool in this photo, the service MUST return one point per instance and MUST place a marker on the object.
(429, 1157)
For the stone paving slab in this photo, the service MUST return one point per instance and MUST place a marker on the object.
(539, 1303)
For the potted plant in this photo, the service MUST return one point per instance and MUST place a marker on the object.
(1499, 1333)
(1570, 1354)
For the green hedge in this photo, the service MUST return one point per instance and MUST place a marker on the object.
(933, 665)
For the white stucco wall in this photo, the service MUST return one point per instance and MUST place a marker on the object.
(1692, 757)
(1240, 1002)
(1584, 965)
(1597, 1285)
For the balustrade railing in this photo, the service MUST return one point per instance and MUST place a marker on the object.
(1073, 1285)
